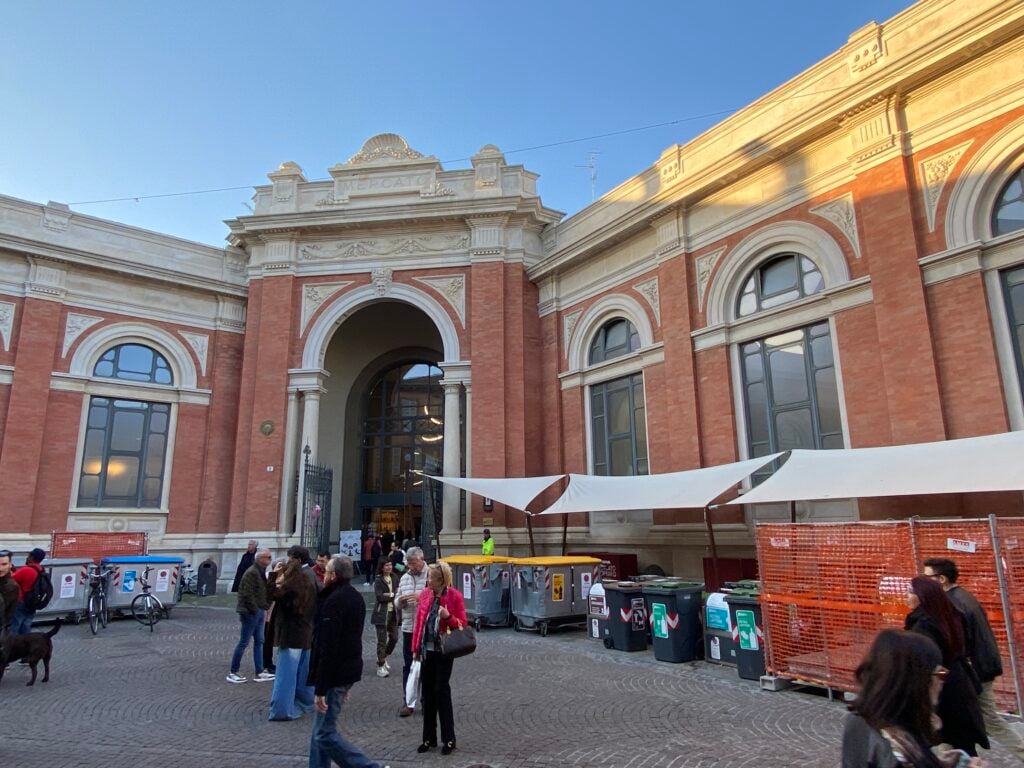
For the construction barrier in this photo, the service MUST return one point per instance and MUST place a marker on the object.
(829, 588)
(96, 545)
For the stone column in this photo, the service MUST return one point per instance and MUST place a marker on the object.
(290, 460)
(452, 455)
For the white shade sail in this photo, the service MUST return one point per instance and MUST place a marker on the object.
(991, 463)
(693, 488)
(512, 491)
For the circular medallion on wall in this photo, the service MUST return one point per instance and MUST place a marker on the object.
(267, 427)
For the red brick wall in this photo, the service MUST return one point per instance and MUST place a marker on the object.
(714, 395)
(57, 468)
(246, 399)
(863, 378)
(187, 468)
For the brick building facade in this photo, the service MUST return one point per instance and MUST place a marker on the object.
(841, 263)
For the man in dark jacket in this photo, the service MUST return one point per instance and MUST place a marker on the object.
(982, 649)
(248, 558)
(10, 592)
(252, 605)
(336, 664)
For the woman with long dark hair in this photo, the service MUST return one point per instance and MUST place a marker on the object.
(294, 599)
(890, 722)
(934, 615)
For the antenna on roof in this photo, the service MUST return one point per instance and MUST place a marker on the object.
(592, 165)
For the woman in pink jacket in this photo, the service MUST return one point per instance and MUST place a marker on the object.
(440, 608)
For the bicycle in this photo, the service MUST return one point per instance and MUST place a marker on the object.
(146, 608)
(188, 583)
(96, 607)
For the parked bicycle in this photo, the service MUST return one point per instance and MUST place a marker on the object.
(96, 607)
(146, 607)
(188, 583)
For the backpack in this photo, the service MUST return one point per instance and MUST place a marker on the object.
(39, 596)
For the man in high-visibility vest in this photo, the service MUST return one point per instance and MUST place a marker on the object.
(487, 548)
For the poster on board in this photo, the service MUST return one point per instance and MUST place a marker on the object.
(349, 544)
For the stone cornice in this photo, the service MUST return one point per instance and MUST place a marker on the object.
(920, 43)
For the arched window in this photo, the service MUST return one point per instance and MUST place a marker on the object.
(124, 455)
(134, 362)
(780, 280)
(790, 393)
(1008, 212)
(615, 338)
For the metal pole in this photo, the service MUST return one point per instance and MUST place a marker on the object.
(792, 511)
(1004, 596)
(714, 549)
(565, 532)
(913, 545)
(529, 529)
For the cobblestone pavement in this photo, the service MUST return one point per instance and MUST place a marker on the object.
(131, 698)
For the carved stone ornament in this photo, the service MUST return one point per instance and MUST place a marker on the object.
(267, 428)
(200, 344)
(356, 249)
(75, 326)
(842, 213)
(437, 190)
(56, 216)
(384, 147)
(382, 280)
(314, 296)
(453, 288)
(935, 171)
(865, 49)
(705, 266)
(568, 326)
(649, 290)
(6, 323)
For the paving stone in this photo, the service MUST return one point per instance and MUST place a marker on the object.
(128, 697)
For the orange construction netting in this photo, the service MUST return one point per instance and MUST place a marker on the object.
(828, 589)
(97, 545)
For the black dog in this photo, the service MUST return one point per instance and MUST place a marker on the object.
(33, 647)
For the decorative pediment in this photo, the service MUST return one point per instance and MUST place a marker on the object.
(74, 327)
(314, 296)
(453, 288)
(384, 148)
(842, 213)
(649, 290)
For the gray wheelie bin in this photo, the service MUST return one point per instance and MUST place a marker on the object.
(550, 591)
(70, 579)
(126, 581)
(627, 615)
(484, 583)
(675, 619)
(719, 646)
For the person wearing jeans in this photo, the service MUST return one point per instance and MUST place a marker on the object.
(412, 583)
(336, 664)
(252, 610)
(294, 599)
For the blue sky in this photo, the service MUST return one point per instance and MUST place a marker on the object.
(119, 99)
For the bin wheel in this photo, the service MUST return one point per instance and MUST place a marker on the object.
(477, 624)
(517, 626)
(608, 643)
(543, 629)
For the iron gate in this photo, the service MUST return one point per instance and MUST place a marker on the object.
(316, 507)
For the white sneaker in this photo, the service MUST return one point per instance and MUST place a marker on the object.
(264, 677)
(388, 668)
(234, 677)
(382, 672)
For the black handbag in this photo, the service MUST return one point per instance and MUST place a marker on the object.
(458, 642)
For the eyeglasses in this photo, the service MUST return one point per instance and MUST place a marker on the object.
(941, 672)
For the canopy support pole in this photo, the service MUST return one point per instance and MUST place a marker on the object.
(565, 532)
(792, 511)
(529, 529)
(997, 551)
(714, 548)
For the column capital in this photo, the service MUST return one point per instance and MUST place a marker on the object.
(456, 371)
(304, 379)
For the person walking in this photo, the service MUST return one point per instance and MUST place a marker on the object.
(367, 564)
(933, 615)
(252, 606)
(982, 650)
(294, 599)
(336, 664)
(26, 578)
(384, 618)
(487, 547)
(440, 609)
(9, 590)
(412, 583)
(890, 722)
(397, 558)
(245, 563)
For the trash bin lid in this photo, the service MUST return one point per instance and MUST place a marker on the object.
(58, 561)
(153, 559)
(673, 585)
(474, 559)
(624, 586)
(554, 560)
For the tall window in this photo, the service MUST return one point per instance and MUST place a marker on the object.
(617, 412)
(790, 395)
(1008, 213)
(403, 428)
(126, 440)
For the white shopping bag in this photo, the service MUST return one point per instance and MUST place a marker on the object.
(412, 687)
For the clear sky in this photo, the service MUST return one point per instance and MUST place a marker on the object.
(120, 99)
